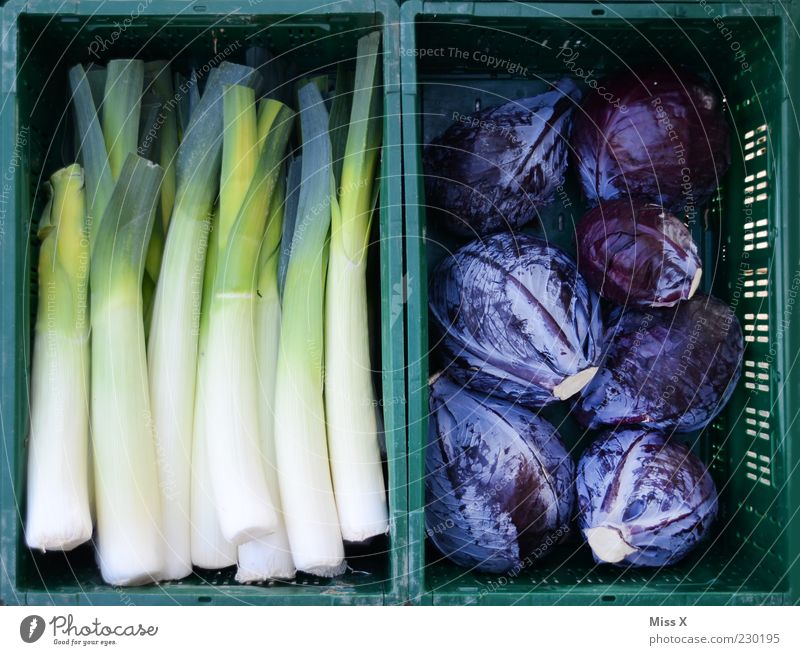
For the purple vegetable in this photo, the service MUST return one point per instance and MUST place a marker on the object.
(672, 368)
(499, 481)
(516, 319)
(666, 141)
(637, 254)
(491, 170)
(643, 500)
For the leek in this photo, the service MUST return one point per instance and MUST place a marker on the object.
(161, 86)
(340, 114)
(350, 402)
(93, 154)
(244, 504)
(300, 440)
(129, 545)
(210, 550)
(121, 110)
(268, 558)
(58, 512)
(289, 218)
(176, 314)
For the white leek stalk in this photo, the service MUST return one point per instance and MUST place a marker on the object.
(129, 545)
(210, 550)
(350, 402)
(300, 439)
(176, 314)
(268, 558)
(244, 504)
(58, 514)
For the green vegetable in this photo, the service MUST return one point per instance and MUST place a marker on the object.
(122, 102)
(58, 511)
(244, 503)
(210, 550)
(270, 557)
(93, 154)
(130, 548)
(301, 443)
(176, 315)
(350, 401)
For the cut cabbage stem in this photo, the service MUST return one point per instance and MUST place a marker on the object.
(607, 544)
(176, 317)
(129, 545)
(268, 558)
(350, 403)
(58, 509)
(574, 383)
(698, 274)
(210, 549)
(245, 506)
(309, 506)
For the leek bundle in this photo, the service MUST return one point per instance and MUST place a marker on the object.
(268, 558)
(350, 402)
(244, 504)
(130, 549)
(176, 314)
(58, 514)
(300, 438)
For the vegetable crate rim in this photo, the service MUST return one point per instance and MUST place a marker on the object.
(340, 23)
(431, 579)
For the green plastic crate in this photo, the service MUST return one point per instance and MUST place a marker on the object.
(40, 40)
(750, 242)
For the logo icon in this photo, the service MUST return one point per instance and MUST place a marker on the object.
(31, 628)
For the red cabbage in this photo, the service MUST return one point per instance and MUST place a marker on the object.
(666, 141)
(643, 500)
(499, 481)
(638, 254)
(515, 319)
(671, 368)
(491, 170)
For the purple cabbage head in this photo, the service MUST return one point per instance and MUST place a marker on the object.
(667, 140)
(515, 319)
(637, 254)
(499, 482)
(491, 170)
(672, 368)
(643, 500)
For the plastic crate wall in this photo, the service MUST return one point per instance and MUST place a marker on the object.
(40, 39)
(750, 243)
